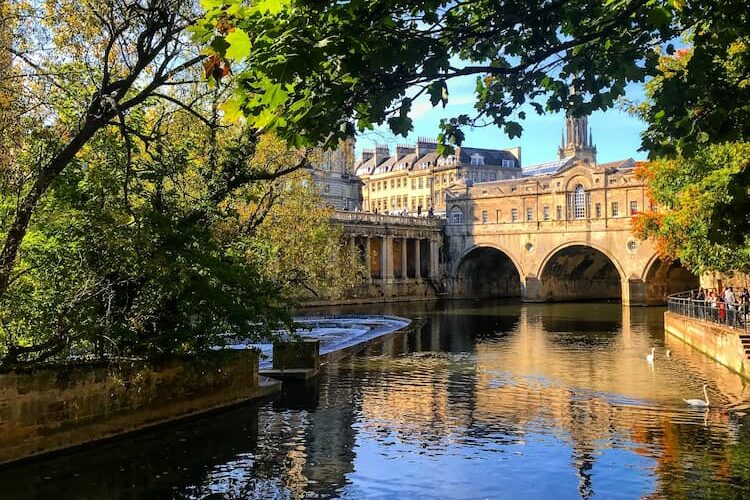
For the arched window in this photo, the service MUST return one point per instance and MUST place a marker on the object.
(579, 202)
(457, 216)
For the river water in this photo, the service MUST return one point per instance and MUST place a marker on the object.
(479, 400)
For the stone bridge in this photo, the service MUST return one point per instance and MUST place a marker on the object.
(560, 237)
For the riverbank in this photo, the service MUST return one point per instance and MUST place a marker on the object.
(718, 342)
(57, 407)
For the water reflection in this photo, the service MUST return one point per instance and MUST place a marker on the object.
(481, 400)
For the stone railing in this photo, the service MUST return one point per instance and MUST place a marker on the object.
(390, 220)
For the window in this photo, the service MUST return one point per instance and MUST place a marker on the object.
(452, 178)
(398, 201)
(579, 202)
(545, 212)
(414, 183)
(508, 163)
(615, 209)
(327, 188)
(477, 159)
(457, 216)
(398, 182)
(633, 207)
(474, 177)
(393, 202)
(484, 177)
(413, 204)
(444, 178)
(493, 177)
(529, 214)
(393, 183)
(559, 212)
(485, 216)
(421, 182)
(598, 210)
(514, 215)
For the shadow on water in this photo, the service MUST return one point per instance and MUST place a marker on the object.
(558, 398)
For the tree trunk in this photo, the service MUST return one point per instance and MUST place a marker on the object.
(25, 210)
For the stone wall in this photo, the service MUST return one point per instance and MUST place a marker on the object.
(48, 409)
(718, 342)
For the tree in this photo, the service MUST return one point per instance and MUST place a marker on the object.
(107, 58)
(130, 211)
(698, 110)
(312, 67)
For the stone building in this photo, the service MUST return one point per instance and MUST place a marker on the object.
(335, 180)
(559, 231)
(415, 178)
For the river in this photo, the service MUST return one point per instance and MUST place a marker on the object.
(479, 400)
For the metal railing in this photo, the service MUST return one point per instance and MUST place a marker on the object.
(731, 315)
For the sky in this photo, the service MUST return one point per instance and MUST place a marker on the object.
(616, 133)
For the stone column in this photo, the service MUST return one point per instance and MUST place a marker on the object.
(418, 259)
(434, 245)
(368, 259)
(404, 258)
(386, 263)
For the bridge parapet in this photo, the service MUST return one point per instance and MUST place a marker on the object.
(387, 220)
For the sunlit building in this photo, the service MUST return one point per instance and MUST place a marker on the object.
(414, 179)
(334, 178)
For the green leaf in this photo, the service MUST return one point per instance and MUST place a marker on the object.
(513, 129)
(659, 17)
(239, 45)
(211, 4)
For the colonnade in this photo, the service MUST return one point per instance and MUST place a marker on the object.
(391, 258)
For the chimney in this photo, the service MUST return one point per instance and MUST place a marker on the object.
(367, 154)
(382, 153)
(517, 153)
(425, 145)
(403, 150)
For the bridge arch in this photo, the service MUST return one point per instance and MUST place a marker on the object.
(664, 277)
(580, 271)
(487, 271)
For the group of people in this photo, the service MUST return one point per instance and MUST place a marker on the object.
(728, 306)
(405, 212)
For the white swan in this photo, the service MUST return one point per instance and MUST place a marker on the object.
(650, 357)
(669, 353)
(699, 402)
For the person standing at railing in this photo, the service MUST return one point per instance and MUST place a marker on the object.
(713, 304)
(730, 305)
(700, 301)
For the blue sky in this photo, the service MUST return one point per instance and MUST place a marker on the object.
(616, 134)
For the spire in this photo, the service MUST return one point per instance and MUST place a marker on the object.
(577, 141)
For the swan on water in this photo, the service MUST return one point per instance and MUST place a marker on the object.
(650, 357)
(699, 402)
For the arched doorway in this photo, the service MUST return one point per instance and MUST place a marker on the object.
(580, 272)
(665, 277)
(486, 272)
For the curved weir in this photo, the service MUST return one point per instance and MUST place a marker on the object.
(335, 333)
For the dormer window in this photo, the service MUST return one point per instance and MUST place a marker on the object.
(508, 164)
(477, 159)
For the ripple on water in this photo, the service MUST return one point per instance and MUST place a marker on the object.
(496, 401)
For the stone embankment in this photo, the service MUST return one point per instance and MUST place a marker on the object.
(719, 342)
